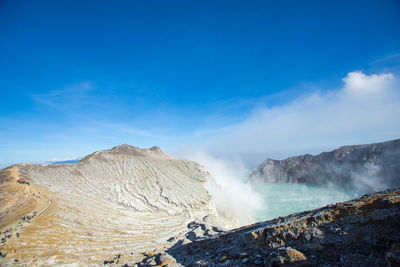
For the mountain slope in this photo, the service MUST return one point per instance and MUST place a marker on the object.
(124, 201)
(369, 167)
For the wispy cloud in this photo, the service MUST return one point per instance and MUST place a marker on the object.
(386, 59)
(116, 129)
(126, 129)
(65, 98)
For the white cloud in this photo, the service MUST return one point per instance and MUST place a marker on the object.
(359, 84)
(366, 109)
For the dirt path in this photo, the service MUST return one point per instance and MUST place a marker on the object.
(14, 230)
(50, 202)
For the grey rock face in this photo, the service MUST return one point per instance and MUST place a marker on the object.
(371, 167)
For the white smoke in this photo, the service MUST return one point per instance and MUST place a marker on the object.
(365, 109)
(234, 197)
(369, 179)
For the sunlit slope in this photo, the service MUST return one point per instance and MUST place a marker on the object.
(120, 201)
(142, 183)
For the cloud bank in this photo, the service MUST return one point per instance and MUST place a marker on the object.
(366, 109)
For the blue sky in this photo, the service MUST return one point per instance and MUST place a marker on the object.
(80, 76)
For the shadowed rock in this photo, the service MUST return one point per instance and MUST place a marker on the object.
(353, 233)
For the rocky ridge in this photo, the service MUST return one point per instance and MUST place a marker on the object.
(361, 232)
(367, 167)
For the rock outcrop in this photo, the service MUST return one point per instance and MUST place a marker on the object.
(110, 207)
(370, 167)
(361, 232)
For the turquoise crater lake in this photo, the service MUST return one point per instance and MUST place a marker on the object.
(285, 199)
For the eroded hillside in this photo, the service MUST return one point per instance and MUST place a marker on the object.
(112, 206)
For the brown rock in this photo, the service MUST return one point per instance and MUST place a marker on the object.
(257, 238)
(222, 259)
(293, 255)
(166, 259)
(287, 256)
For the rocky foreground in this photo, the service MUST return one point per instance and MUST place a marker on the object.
(361, 232)
(363, 167)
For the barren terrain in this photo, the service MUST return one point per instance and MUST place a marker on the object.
(112, 206)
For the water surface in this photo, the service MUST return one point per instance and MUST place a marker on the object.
(284, 199)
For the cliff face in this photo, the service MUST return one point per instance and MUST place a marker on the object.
(361, 232)
(123, 201)
(372, 167)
